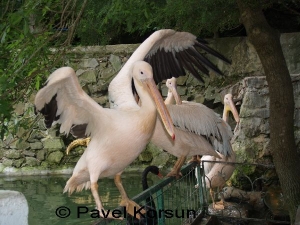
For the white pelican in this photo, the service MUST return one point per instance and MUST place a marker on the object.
(216, 174)
(169, 53)
(113, 132)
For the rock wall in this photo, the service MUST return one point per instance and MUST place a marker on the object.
(252, 142)
(35, 150)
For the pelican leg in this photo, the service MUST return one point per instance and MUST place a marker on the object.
(212, 193)
(175, 172)
(78, 142)
(130, 206)
(102, 212)
(217, 205)
(100, 208)
(195, 158)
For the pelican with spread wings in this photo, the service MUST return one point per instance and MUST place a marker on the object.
(120, 133)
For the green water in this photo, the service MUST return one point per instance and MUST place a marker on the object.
(44, 196)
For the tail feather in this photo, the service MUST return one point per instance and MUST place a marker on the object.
(77, 184)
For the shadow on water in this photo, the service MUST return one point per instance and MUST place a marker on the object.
(44, 195)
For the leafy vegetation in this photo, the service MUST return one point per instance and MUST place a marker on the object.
(130, 21)
(27, 31)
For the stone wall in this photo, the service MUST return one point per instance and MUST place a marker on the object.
(252, 142)
(37, 150)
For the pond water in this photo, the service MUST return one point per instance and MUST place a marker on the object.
(44, 195)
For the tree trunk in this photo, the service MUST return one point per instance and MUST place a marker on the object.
(266, 41)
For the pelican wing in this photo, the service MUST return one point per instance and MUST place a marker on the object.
(174, 52)
(201, 120)
(63, 101)
(170, 53)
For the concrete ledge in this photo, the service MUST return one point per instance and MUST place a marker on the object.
(13, 208)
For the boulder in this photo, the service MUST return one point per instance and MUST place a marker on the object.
(88, 77)
(36, 145)
(55, 157)
(115, 62)
(53, 143)
(18, 162)
(13, 154)
(13, 208)
(31, 161)
(89, 63)
(40, 155)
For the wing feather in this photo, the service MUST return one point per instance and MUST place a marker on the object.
(201, 120)
(63, 101)
(179, 51)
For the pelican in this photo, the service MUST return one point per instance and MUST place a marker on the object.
(216, 174)
(63, 101)
(169, 53)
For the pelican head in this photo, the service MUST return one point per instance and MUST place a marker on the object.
(172, 90)
(229, 106)
(143, 76)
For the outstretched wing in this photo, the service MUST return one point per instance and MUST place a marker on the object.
(176, 52)
(201, 120)
(63, 101)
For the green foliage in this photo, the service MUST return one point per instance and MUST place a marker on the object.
(124, 21)
(104, 22)
(113, 21)
(27, 31)
(200, 16)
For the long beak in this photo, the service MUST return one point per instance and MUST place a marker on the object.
(176, 95)
(161, 107)
(234, 111)
(231, 107)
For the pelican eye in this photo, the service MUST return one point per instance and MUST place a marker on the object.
(142, 72)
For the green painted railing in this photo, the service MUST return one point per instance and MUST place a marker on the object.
(177, 200)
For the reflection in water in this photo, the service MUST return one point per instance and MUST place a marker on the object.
(44, 196)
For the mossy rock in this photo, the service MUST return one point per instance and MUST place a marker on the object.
(55, 157)
(22, 144)
(1, 167)
(241, 176)
(53, 143)
(13, 154)
(161, 160)
(145, 156)
(153, 149)
(7, 162)
(40, 155)
(32, 162)
(18, 162)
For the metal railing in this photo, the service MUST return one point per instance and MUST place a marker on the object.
(178, 201)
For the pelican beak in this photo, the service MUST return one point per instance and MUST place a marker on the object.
(230, 106)
(175, 94)
(161, 107)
